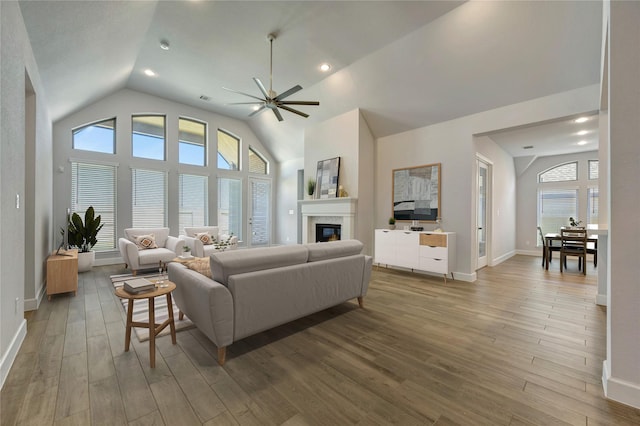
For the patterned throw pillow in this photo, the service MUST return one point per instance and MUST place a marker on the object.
(201, 265)
(205, 238)
(146, 241)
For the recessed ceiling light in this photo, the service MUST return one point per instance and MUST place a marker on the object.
(325, 67)
(205, 98)
(582, 132)
(164, 45)
(581, 119)
(582, 143)
(150, 72)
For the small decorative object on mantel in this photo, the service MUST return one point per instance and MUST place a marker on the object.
(574, 223)
(341, 192)
(311, 187)
(415, 226)
(392, 223)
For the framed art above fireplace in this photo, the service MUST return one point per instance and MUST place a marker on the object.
(327, 175)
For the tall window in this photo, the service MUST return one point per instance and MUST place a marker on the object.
(149, 198)
(96, 137)
(257, 164)
(230, 206)
(191, 142)
(148, 136)
(555, 207)
(228, 151)
(592, 205)
(95, 185)
(193, 201)
(593, 169)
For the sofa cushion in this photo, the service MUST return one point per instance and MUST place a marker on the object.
(227, 263)
(199, 264)
(205, 238)
(145, 241)
(333, 249)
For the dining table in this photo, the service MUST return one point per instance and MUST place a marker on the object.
(592, 239)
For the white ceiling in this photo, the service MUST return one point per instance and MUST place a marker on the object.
(404, 64)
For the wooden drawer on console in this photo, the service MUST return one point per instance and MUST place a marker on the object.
(433, 240)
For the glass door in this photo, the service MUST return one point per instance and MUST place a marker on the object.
(259, 212)
(481, 213)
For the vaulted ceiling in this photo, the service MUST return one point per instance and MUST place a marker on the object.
(404, 64)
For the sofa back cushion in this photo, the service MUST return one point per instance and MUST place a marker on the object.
(227, 263)
(160, 234)
(191, 231)
(333, 249)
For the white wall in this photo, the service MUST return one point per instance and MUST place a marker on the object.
(16, 142)
(122, 105)
(621, 375)
(286, 200)
(527, 193)
(451, 143)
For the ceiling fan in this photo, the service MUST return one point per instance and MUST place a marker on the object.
(271, 99)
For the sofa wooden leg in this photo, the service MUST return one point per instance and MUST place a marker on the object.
(361, 301)
(180, 315)
(222, 353)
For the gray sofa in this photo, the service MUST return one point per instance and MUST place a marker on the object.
(258, 289)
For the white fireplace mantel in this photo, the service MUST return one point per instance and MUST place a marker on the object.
(343, 209)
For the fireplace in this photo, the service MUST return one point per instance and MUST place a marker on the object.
(327, 232)
(335, 211)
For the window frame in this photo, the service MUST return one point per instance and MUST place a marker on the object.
(77, 129)
(205, 144)
(577, 177)
(238, 152)
(261, 157)
(164, 136)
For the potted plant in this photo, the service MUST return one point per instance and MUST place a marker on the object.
(392, 222)
(186, 251)
(83, 236)
(311, 187)
(574, 223)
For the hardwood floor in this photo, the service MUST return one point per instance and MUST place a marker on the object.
(520, 346)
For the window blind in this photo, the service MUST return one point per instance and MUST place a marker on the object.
(193, 201)
(555, 206)
(95, 185)
(229, 206)
(149, 198)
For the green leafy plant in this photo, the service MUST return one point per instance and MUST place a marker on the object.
(186, 249)
(311, 186)
(222, 245)
(574, 222)
(84, 235)
(392, 221)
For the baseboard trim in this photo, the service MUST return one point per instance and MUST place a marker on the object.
(620, 390)
(502, 258)
(34, 304)
(530, 252)
(601, 299)
(10, 355)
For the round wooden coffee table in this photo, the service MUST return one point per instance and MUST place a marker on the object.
(154, 328)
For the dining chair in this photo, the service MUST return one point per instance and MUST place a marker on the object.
(547, 248)
(573, 243)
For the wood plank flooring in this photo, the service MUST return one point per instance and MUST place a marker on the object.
(521, 346)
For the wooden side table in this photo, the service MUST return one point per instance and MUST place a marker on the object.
(154, 328)
(62, 273)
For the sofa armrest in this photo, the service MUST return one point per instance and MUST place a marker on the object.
(207, 303)
(129, 253)
(196, 246)
(175, 244)
(233, 242)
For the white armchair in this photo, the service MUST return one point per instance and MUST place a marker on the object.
(199, 248)
(144, 248)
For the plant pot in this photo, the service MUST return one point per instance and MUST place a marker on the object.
(86, 261)
(392, 227)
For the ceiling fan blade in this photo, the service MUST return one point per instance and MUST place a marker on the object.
(316, 103)
(258, 111)
(242, 93)
(261, 87)
(289, 92)
(247, 103)
(277, 113)
(295, 111)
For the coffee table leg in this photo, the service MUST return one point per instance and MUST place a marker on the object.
(172, 323)
(152, 333)
(127, 336)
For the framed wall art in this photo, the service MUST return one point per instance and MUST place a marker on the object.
(416, 193)
(327, 175)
